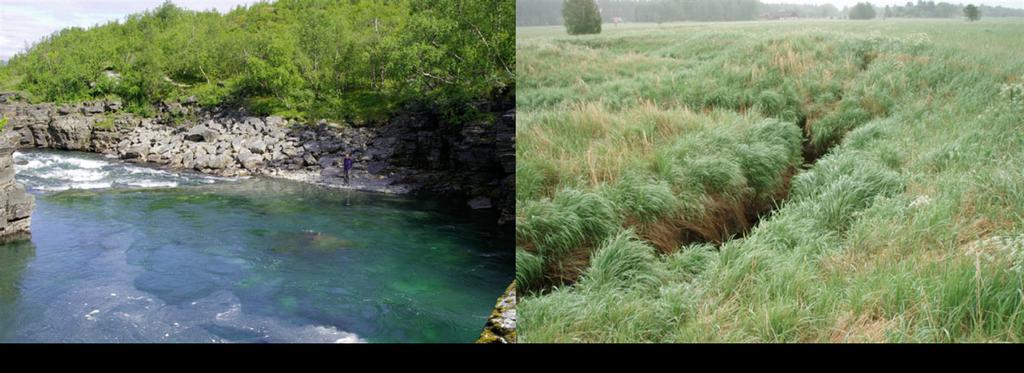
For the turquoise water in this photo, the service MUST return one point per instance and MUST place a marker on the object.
(124, 253)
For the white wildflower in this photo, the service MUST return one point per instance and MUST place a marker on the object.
(1000, 248)
(1013, 92)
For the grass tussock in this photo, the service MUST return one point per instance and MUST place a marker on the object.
(895, 147)
(699, 186)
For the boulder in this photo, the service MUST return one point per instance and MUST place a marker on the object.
(91, 108)
(312, 147)
(290, 151)
(275, 121)
(188, 160)
(237, 144)
(376, 167)
(256, 124)
(202, 134)
(309, 159)
(203, 161)
(256, 146)
(70, 133)
(220, 162)
(137, 151)
(248, 160)
(332, 172)
(479, 203)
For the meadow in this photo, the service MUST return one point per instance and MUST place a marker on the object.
(796, 181)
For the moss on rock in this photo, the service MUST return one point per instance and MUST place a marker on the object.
(501, 325)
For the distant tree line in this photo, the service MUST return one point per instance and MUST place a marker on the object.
(931, 9)
(549, 12)
(697, 10)
(801, 10)
(862, 11)
(539, 12)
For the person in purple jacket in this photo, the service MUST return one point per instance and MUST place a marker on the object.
(347, 165)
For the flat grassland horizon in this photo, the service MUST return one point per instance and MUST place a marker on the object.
(771, 181)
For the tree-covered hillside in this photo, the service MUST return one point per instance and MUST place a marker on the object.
(358, 59)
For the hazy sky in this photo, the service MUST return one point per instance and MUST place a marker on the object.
(840, 3)
(27, 21)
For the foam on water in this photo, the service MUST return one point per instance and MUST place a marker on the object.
(75, 175)
(152, 184)
(147, 171)
(86, 163)
(48, 171)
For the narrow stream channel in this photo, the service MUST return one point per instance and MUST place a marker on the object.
(128, 253)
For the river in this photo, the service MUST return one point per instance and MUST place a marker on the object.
(124, 252)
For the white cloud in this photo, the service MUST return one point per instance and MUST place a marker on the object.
(23, 22)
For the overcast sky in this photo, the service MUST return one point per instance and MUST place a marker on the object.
(27, 21)
(841, 3)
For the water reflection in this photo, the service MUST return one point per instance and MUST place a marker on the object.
(14, 258)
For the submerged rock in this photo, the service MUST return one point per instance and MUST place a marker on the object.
(501, 325)
(309, 239)
(479, 203)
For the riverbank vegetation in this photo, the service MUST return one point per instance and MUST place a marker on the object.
(783, 182)
(310, 59)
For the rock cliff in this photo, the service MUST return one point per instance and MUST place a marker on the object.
(17, 204)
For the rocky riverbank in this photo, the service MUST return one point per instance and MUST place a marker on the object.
(501, 325)
(414, 153)
(17, 203)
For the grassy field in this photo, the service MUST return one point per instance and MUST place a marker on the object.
(834, 181)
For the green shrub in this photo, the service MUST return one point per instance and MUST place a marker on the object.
(972, 13)
(623, 261)
(643, 197)
(565, 222)
(284, 56)
(529, 270)
(106, 123)
(581, 17)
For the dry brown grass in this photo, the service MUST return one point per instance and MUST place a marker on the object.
(595, 144)
(788, 60)
(863, 328)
